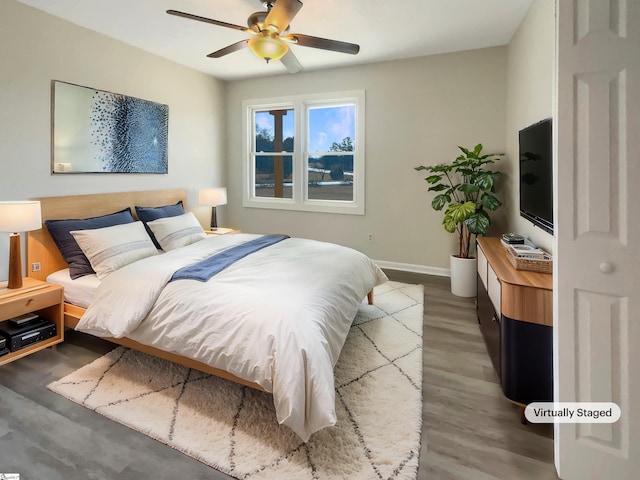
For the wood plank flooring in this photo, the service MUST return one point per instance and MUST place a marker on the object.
(469, 432)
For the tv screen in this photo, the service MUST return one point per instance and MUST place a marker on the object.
(536, 174)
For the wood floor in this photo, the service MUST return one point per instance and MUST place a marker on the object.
(470, 431)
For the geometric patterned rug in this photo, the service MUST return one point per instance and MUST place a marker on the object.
(232, 428)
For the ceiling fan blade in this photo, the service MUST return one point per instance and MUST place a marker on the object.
(282, 13)
(209, 20)
(323, 43)
(291, 62)
(234, 47)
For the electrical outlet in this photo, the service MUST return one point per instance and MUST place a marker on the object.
(35, 267)
(370, 237)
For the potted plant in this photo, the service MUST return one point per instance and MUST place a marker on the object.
(465, 190)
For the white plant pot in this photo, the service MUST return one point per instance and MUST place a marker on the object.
(463, 276)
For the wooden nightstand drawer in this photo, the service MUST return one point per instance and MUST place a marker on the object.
(30, 302)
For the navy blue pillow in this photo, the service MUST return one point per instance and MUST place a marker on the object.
(149, 214)
(79, 265)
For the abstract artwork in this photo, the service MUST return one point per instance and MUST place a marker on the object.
(95, 131)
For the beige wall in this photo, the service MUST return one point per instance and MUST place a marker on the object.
(530, 75)
(37, 48)
(417, 112)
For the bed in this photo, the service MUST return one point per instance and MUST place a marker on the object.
(274, 320)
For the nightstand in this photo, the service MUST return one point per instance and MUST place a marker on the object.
(35, 296)
(222, 231)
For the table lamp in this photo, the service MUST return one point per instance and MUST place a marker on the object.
(15, 217)
(213, 197)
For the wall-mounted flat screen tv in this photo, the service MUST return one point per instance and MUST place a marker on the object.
(536, 174)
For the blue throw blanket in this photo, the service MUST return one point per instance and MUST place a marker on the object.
(207, 268)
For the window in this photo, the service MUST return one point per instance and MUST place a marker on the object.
(272, 157)
(305, 153)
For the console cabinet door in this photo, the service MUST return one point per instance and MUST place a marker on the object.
(482, 267)
(489, 326)
(494, 287)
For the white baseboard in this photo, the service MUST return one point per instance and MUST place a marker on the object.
(409, 267)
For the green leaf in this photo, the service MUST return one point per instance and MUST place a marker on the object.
(484, 181)
(433, 178)
(440, 168)
(449, 225)
(468, 189)
(437, 188)
(469, 208)
(489, 201)
(439, 201)
(477, 149)
(459, 212)
(478, 223)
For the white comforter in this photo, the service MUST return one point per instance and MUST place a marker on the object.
(278, 317)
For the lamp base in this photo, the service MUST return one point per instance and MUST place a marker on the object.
(214, 220)
(15, 262)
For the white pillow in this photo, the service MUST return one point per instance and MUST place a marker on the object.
(111, 248)
(178, 231)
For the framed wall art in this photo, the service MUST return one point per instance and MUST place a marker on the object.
(94, 131)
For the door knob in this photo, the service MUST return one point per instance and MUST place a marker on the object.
(607, 267)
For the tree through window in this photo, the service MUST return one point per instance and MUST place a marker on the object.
(273, 153)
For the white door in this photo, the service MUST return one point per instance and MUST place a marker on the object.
(597, 272)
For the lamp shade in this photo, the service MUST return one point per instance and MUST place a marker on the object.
(20, 216)
(268, 46)
(213, 196)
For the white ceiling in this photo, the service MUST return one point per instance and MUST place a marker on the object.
(385, 30)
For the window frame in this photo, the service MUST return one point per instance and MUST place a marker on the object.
(300, 104)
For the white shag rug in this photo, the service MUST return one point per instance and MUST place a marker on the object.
(234, 429)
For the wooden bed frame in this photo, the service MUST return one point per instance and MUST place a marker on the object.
(42, 249)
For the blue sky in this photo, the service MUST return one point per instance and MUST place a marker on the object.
(327, 125)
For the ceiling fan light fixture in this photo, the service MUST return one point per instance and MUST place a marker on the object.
(270, 31)
(268, 46)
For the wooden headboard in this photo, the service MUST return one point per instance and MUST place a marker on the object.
(40, 246)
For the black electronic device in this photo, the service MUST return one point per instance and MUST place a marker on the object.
(23, 335)
(22, 319)
(513, 239)
(536, 174)
(4, 351)
(3, 342)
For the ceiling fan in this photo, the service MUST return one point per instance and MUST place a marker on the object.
(270, 34)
